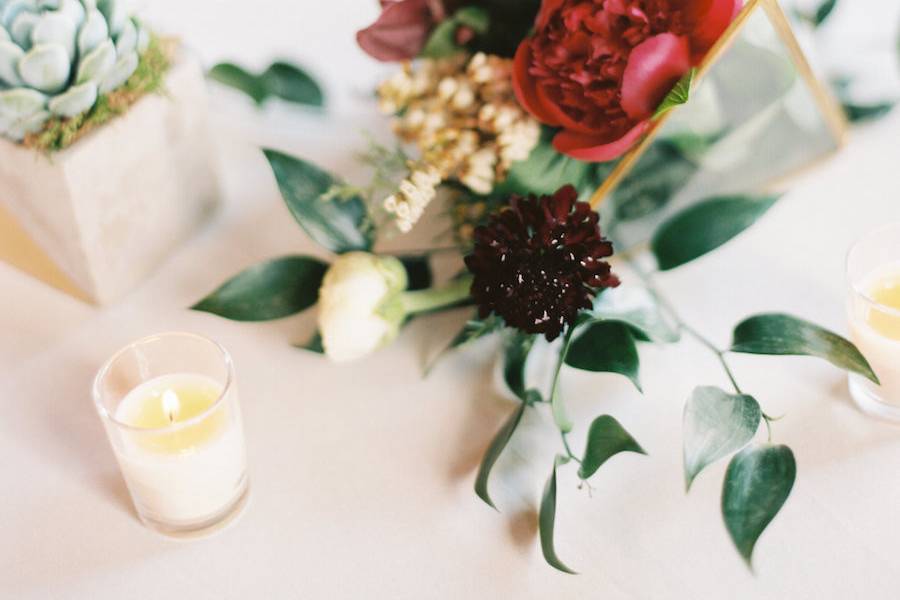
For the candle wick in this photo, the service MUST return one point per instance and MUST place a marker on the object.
(170, 405)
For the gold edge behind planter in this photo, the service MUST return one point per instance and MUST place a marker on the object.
(97, 218)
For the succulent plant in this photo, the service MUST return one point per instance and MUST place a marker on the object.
(58, 56)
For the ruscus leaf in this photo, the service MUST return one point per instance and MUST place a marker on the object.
(606, 346)
(547, 520)
(715, 425)
(705, 226)
(270, 290)
(515, 357)
(680, 94)
(781, 334)
(493, 453)
(236, 77)
(757, 484)
(291, 83)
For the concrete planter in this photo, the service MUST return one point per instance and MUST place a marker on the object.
(97, 218)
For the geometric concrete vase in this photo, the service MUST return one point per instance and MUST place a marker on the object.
(97, 218)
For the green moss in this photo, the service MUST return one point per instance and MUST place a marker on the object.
(60, 133)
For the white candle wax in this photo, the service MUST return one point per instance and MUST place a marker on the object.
(875, 329)
(183, 456)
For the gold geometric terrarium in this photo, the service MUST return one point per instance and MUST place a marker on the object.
(756, 114)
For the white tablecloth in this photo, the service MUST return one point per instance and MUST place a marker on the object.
(362, 474)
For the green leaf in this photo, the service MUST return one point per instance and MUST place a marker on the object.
(780, 334)
(705, 226)
(636, 308)
(515, 357)
(606, 438)
(606, 346)
(866, 112)
(547, 520)
(758, 482)
(314, 344)
(338, 224)
(493, 453)
(236, 77)
(678, 95)
(546, 170)
(715, 425)
(418, 271)
(293, 84)
(270, 290)
(824, 11)
(442, 41)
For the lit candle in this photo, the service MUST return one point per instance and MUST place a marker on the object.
(177, 435)
(873, 270)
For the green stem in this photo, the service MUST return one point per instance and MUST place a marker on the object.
(559, 416)
(421, 301)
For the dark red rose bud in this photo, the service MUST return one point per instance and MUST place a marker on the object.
(539, 262)
(402, 30)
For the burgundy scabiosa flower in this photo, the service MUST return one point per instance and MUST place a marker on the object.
(540, 261)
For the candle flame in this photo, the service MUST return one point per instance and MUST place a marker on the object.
(170, 405)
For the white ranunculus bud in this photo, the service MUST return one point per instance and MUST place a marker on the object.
(358, 312)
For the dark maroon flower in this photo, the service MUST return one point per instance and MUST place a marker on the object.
(540, 261)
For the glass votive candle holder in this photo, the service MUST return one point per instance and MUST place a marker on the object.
(873, 276)
(169, 404)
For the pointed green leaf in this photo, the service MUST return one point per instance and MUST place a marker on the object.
(758, 482)
(824, 11)
(314, 344)
(339, 224)
(606, 438)
(236, 77)
(715, 425)
(547, 520)
(515, 357)
(637, 308)
(606, 346)
(705, 226)
(680, 94)
(270, 290)
(442, 41)
(866, 112)
(290, 82)
(493, 453)
(780, 334)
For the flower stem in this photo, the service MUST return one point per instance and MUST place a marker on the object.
(558, 411)
(432, 299)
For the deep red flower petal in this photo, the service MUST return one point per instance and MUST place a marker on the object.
(525, 86)
(548, 8)
(655, 65)
(597, 149)
(713, 24)
(399, 33)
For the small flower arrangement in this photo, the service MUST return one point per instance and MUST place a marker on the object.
(509, 109)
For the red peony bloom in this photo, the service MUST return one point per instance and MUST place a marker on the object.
(539, 262)
(598, 69)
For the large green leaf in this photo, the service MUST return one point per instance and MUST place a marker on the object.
(758, 481)
(547, 520)
(780, 334)
(291, 83)
(270, 290)
(606, 346)
(715, 425)
(236, 77)
(515, 357)
(606, 438)
(704, 227)
(339, 224)
(546, 170)
(493, 453)
(637, 308)
(678, 95)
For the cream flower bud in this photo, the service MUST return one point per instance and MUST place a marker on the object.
(358, 312)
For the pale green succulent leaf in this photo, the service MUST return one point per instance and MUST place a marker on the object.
(46, 68)
(98, 63)
(55, 28)
(10, 55)
(18, 129)
(143, 38)
(21, 102)
(73, 10)
(21, 27)
(4, 35)
(124, 67)
(93, 32)
(74, 101)
(127, 39)
(116, 14)
(12, 9)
